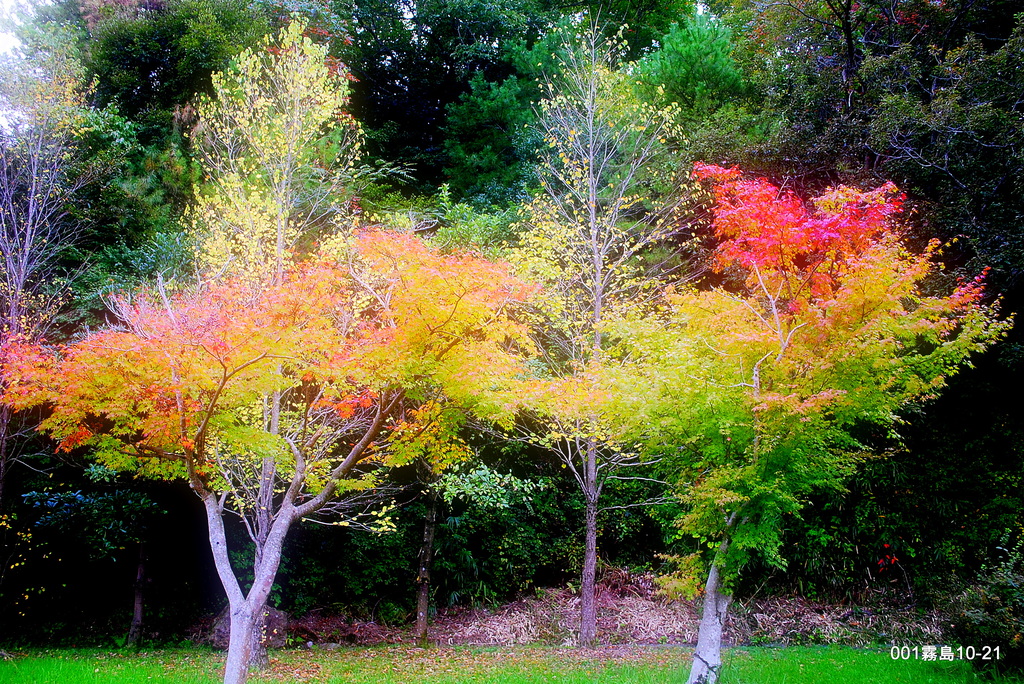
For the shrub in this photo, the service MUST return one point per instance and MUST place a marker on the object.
(991, 611)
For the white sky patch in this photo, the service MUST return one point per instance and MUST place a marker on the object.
(7, 41)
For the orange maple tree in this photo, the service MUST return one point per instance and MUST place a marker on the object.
(179, 389)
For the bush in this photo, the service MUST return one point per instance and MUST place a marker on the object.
(991, 611)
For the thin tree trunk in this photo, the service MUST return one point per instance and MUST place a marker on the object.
(246, 647)
(252, 613)
(426, 559)
(5, 447)
(707, 657)
(135, 631)
(588, 585)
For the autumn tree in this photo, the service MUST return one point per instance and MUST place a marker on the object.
(590, 239)
(783, 383)
(931, 106)
(42, 107)
(278, 148)
(277, 386)
(183, 387)
(279, 151)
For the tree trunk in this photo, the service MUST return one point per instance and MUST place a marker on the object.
(247, 650)
(426, 559)
(588, 585)
(245, 643)
(135, 631)
(240, 642)
(258, 657)
(5, 447)
(707, 657)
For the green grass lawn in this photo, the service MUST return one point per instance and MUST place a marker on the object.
(401, 665)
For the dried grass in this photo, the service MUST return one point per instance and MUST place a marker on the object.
(795, 620)
(338, 629)
(629, 611)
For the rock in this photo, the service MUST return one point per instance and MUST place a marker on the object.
(275, 636)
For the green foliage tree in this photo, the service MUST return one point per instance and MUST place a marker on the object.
(492, 132)
(694, 65)
(761, 394)
(957, 142)
(151, 62)
(915, 92)
(489, 143)
(941, 500)
(433, 79)
(479, 485)
(412, 61)
(585, 240)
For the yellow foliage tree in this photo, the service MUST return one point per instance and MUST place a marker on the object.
(280, 154)
(594, 240)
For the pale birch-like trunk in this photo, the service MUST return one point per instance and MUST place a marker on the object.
(246, 609)
(263, 525)
(707, 657)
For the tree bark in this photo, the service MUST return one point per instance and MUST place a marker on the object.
(259, 659)
(426, 559)
(245, 642)
(4, 422)
(588, 585)
(236, 668)
(135, 631)
(246, 648)
(707, 657)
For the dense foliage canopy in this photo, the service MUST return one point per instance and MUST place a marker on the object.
(336, 259)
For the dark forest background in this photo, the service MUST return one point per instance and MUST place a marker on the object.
(808, 93)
